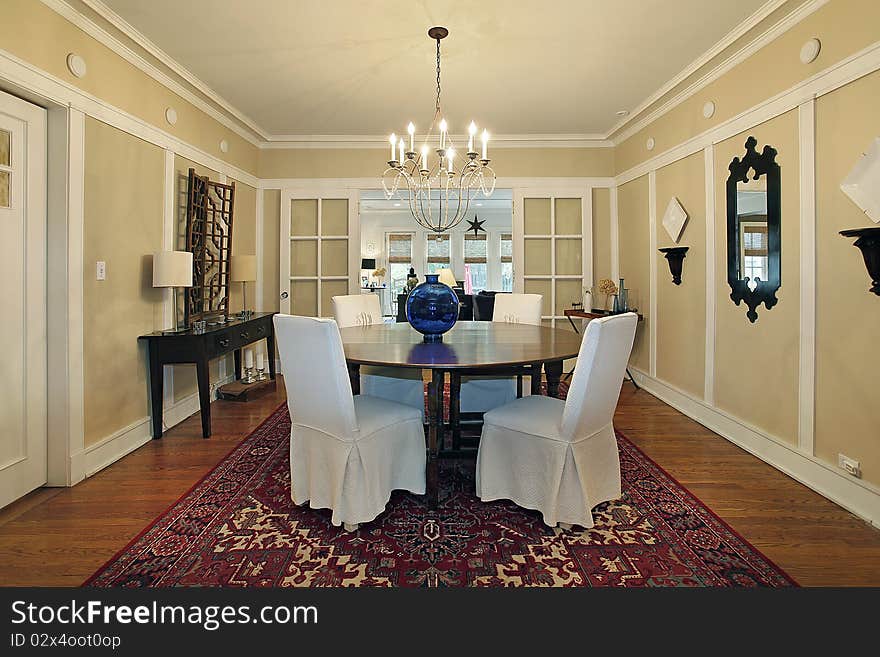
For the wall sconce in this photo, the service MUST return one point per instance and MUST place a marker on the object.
(869, 243)
(675, 256)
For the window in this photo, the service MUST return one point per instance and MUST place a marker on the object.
(400, 247)
(506, 262)
(476, 260)
(439, 254)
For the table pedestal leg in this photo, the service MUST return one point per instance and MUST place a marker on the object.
(354, 375)
(536, 378)
(435, 433)
(554, 372)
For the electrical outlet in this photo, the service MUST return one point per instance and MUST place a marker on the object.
(851, 466)
(100, 270)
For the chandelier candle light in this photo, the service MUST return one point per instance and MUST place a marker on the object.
(419, 175)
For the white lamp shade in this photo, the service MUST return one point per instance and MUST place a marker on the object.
(173, 269)
(447, 277)
(243, 268)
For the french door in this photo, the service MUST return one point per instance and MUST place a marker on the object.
(320, 250)
(553, 250)
(23, 411)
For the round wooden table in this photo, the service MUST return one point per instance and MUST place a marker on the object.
(470, 348)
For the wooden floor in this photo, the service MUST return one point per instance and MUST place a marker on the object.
(60, 536)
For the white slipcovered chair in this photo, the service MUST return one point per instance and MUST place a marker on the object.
(560, 457)
(347, 453)
(404, 385)
(479, 395)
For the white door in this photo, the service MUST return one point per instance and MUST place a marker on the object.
(320, 250)
(553, 247)
(23, 297)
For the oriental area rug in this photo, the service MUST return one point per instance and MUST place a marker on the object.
(239, 528)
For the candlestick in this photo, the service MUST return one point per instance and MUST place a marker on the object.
(425, 157)
(485, 137)
(472, 130)
(401, 149)
(259, 361)
(443, 127)
(411, 129)
(248, 358)
(393, 141)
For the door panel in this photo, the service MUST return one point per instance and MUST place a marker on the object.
(23, 298)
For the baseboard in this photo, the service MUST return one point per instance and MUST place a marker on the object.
(98, 456)
(856, 496)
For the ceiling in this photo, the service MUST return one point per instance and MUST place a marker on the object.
(366, 67)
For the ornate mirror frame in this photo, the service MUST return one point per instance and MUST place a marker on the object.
(763, 164)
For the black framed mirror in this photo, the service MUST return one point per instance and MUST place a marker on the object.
(754, 228)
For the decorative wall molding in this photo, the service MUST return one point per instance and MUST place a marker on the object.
(635, 122)
(835, 76)
(855, 495)
(502, 182)
(652, 271)
(615, 236)
(287, 142)
(807, 346)
(227, 115)
(709, 365)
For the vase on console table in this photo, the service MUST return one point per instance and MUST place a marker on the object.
(432, 308)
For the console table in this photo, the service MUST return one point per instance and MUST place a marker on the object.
(181, 347)
(595, 314)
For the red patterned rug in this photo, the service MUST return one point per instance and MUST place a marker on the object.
(239, 527)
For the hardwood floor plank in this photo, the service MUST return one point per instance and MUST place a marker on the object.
(60, 536)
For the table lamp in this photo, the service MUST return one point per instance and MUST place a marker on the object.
(243, 269)
(173, 269)
(447, 277)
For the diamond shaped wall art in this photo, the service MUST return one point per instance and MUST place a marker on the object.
(862, 185)
(674, 219)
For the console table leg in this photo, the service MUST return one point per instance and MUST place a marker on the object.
(156, 392)
(236, 357)
(204, 379)
(270, 353)
(554, 373)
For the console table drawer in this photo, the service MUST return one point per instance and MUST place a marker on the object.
(235, 337)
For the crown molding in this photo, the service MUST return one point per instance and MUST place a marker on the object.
(229, 117)
(635, 122)
(285, 142)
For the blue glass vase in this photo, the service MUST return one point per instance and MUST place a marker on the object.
(432, 308)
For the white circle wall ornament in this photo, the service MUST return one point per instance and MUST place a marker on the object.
(224, 146)
(76, 65)
(650, 144)
(810, 50)
(708, 109)
(171, 115)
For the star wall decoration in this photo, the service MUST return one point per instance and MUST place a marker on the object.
(476, 225)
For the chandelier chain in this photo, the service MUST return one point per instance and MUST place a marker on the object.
(437, 107)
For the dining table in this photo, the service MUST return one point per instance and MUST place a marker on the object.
(468, 349)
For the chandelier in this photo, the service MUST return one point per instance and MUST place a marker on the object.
(426, 179)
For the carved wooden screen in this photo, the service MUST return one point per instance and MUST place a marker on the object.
(209, 207)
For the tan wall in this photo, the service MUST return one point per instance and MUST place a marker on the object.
(843, 26)
(370, 162)
(124, 185)
(847, 315)
(33, 32)
(270, 265)
(634, 241)
(244, 241)
(756, 365)
(681, 309)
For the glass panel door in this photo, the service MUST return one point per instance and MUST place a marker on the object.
(319, 247)
(553, 231)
